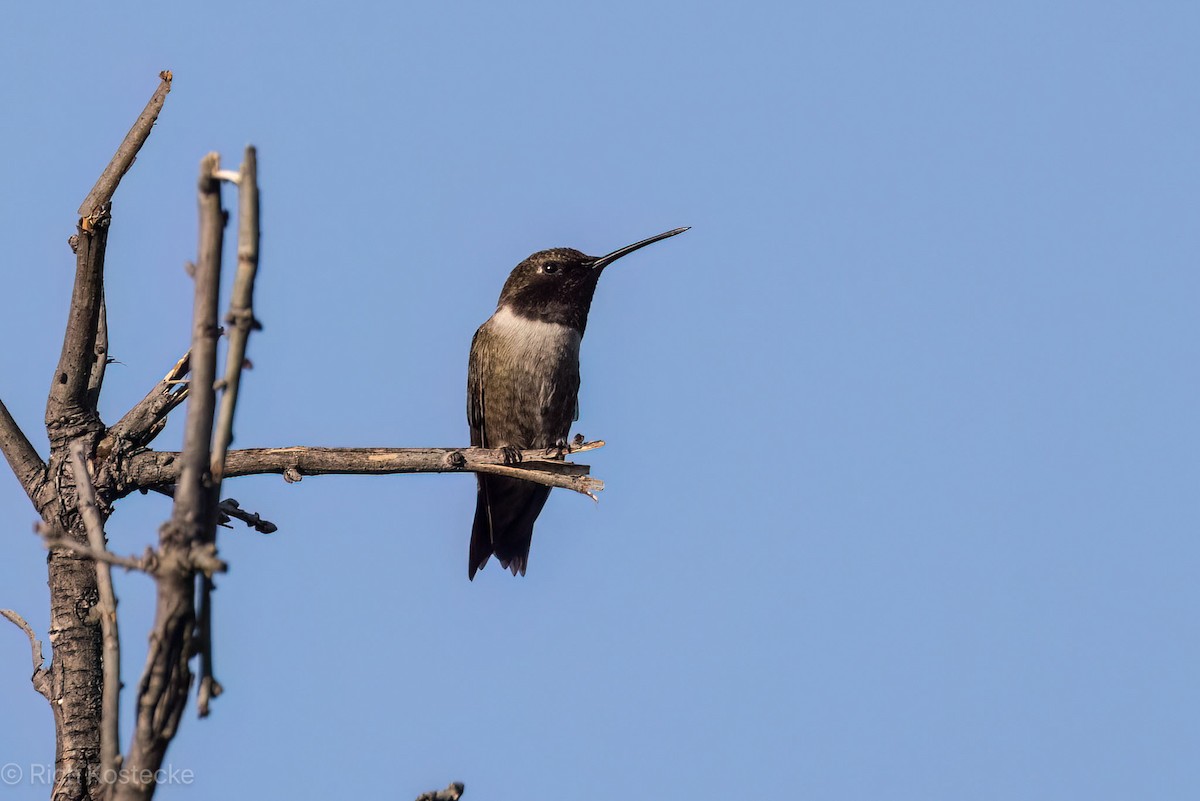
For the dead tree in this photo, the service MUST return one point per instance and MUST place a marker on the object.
(92, 465)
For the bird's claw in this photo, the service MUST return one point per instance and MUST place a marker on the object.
(511, 455)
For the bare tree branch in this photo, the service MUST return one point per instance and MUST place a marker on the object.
(142, 423)
(193, 501)
(162, 693)
(22, 458)
(209, 688)
(70, 409)
(453, 792)
(122, 160)
(241, 309)
(67, 411)
(40, 678)
(156, 468)
(200, 558)
(241, 321)
(106, 610)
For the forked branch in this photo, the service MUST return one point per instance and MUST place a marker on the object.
(68, 413)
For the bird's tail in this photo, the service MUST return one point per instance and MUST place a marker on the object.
(505, 511)
(481, 535)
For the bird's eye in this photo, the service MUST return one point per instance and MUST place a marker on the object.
(551, 268)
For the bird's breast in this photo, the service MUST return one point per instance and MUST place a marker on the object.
(535, 343)
(529, 379)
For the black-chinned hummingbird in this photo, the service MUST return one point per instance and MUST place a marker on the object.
(523, 387)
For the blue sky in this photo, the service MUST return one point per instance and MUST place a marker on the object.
(902, 444)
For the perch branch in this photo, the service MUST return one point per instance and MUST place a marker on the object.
(40, 677)
(22, 458)
(106, 609)
(156, 468)
(106, 184)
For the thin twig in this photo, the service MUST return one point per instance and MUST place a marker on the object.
(584, 485)
(149, 563)
(209, 688)
(156, 468)
(99, 353)
(106, 608)
(40, 677)
(106, 184)
(200, 558)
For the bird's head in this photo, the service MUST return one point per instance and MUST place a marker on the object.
(557, 285)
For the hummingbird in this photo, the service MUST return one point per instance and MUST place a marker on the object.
(523, 387)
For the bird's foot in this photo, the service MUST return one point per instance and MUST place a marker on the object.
(559, 449)
(511, 454)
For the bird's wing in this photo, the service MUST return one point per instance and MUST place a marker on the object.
(476, 370)
(481, 531)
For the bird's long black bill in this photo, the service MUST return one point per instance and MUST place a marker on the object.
(604, 261)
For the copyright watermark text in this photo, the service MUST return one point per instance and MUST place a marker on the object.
(13, 774)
